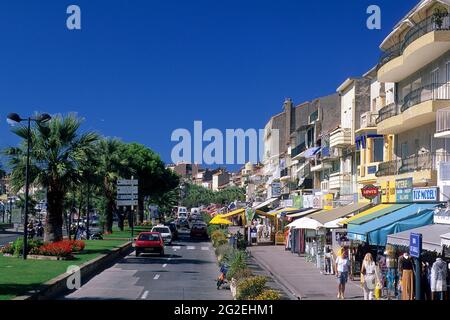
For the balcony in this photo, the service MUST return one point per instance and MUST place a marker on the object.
(422, 168)
(368, 120)
(367, 172)
(419, 107)
(423, 43)
(443, 123)
(339, 181)
(297, 150)
(285, 174)
(341, 137)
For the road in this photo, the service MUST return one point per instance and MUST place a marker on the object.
(188, 271)
(8, 236)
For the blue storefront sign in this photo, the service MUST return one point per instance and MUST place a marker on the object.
(415, 245)
(425, 194)
(404, 190)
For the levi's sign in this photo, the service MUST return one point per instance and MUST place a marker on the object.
(425, 194)
(370, 192)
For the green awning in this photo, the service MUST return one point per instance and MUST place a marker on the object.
(378, 214)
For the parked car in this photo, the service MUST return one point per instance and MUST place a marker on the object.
(165, 232)
(182, 213)
(199, 230)
(173, 228)
(149, 242)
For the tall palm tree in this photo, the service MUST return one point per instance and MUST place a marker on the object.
(57, 151)
(111, 166)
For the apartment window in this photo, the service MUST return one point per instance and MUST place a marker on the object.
(336, 166)
(310, 137)
(404, 150)
(378, 150)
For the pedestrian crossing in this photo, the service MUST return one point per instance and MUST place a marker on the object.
(177, 248)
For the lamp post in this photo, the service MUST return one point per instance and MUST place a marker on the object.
(14, 118)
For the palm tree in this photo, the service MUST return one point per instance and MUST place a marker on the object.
(57, 151)
(111, 166)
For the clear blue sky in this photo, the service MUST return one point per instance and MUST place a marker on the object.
(140, 69)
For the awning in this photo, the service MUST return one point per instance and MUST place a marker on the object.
(377, 214)
(431, 236)
(325, 216)
(232, 213)
(366, 213)
(284, 211)
(218, 220)
(305, 223)
(302, 213)
(265, 203)
(376, 231)
(445, 239)
(334, 224)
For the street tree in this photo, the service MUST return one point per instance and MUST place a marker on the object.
(57, 151)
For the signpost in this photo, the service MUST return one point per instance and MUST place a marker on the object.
(415, 249)
(127, 196)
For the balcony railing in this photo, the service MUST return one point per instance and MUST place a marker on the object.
(426, 161)
(433, 23)
(443, 120)
(387, 112)
(434, 91)
(368, 119)
(298, 149)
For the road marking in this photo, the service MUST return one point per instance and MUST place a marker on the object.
(164, 265)
(156, 277)
(144, 296)
(205, 248)
(191, 248)
(176, 248)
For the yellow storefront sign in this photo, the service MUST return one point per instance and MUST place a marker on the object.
(328, 201)
(388, 191)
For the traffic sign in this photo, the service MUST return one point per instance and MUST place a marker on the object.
(127, 182)
(126, 203)
(127, 190)
(415, 245)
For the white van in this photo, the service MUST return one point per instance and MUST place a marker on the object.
(182, 213)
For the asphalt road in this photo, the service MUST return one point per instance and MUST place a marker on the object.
(8, 236)
(188, 271)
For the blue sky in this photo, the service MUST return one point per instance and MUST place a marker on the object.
(140, 69)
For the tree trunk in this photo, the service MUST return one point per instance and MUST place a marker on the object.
(54, 218)
(110, 205)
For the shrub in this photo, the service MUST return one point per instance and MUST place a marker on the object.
(17, 246)
(7, 249)
(250, 288)
(56, 249)
(222, 251)
(218, 238)
(268, 295)
(242, 274)
(237, 261)
(77, 245)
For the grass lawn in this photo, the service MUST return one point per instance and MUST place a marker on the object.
(126, 233)
(17, 276)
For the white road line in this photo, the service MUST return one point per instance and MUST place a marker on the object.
(176, 248)
(205, 248)
(156, 277)
(191, 248)
(164, 265)
(144, 296)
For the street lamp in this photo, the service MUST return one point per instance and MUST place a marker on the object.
(14, 118)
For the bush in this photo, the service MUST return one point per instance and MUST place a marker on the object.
(242, 274)
(7, 249)
(250, 288)
(237, 262)
(268, 295)
(222, 251)
(17, 246)
(57, 249)
(218, 238)
(77, 245)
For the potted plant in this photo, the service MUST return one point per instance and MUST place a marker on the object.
(438, 18)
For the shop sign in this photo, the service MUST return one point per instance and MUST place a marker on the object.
(287, 203)
(426, 194)
(308, 201)
(388, 192)
(297, 202)
(415, 245)
(370, 191)
(328, 201)
(317, 202)
(404, 190)
(276, 189)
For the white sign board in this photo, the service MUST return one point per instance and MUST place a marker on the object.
(127, 190)
(125, 203)
(127, 182)
(127, 197)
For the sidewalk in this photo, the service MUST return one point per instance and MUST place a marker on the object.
(300, 277)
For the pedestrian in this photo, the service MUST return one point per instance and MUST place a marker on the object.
(342, 268)
(406, 272)
(438, 279)
(369, 276)
(327, 260)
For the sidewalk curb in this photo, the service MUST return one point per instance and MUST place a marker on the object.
(279, 279)
(58, 285)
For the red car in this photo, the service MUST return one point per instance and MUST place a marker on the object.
(199, 230)
(149, 242)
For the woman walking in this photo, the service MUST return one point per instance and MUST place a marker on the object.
(369, 276)
(406, 271)
(342, 267)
